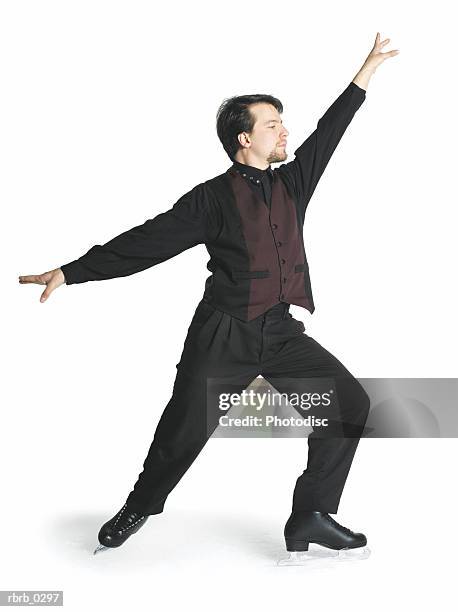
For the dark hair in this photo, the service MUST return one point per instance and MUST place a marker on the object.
(234, 117)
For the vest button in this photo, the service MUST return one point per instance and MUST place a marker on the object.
(279, 243)
(282, 296)
(283, 261)
(284, 279)
(274, 226)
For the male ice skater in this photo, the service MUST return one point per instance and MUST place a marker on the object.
(250, 219)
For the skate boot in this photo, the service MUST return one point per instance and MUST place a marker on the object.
(312, 527)
(305, 527)
(116, 531)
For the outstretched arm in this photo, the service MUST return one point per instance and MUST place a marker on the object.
(183, 226)
(313, 155)
(146, 245)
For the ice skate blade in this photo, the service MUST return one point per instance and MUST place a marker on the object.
(317, 552)
(100, 548)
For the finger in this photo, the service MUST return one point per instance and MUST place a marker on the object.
(46, 293)
(51, 285)
(32, 278)
(390, 53)
(384, 42)
(375, 42)
(25, 279)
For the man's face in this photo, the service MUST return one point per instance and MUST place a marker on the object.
(267, 140)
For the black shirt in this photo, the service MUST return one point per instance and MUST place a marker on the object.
(259, 180)
(194, 220)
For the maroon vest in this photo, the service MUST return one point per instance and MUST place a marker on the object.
(258, 259)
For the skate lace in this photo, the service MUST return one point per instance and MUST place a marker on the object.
(123, 526)
(336, 524)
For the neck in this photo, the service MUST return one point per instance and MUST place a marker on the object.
(254, 163)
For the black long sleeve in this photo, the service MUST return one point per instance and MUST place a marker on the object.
(313, 155)
(169, 233)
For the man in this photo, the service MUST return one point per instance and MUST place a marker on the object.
(250, 219)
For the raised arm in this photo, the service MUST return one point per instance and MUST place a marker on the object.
(313, 155)
(185, 225)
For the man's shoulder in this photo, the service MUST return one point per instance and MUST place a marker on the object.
(217, 186)
(217, 179)
(205, 188)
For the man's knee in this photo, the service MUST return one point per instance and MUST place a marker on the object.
(354, 402)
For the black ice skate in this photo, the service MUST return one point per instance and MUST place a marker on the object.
(312, 527)
(116, 531)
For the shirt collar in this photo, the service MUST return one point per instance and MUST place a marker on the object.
(252, 170)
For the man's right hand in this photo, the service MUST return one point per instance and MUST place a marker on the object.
(52, 280)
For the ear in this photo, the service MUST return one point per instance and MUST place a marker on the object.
(244, 140)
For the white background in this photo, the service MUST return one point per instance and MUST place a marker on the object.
(107, 118)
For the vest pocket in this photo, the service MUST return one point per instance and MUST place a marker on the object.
(247, 274)
(300, 267)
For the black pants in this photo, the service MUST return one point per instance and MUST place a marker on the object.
(273, 345)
